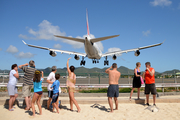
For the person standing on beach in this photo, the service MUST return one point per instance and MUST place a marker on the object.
(37, 80)
(55, 97)
(136, 80)
(27, 82)
(113, 89)
(70, 82)
(11, 86)
(50, 79)
(149, 76)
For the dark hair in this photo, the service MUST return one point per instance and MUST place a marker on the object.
(37, 76)
(72, 68)
(114, 65)
(57, 76)
(148, 63)
(13, 66)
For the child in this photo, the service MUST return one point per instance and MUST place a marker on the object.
(55, 96)
(37, 80)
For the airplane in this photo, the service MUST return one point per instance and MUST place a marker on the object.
(91, 48)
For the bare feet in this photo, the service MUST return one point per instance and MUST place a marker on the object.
(129, 98)
(79, 110)
(111, 111)
(27, 108)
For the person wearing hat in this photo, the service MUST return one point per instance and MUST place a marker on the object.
(27, 81)
(50, 79)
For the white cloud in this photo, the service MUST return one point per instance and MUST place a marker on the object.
(0, 49)
(146, 33)
(179, 6)
(47, 31)
(25, 55)
(161, 3)
(57, 46)
(12, 49)
(114, 50)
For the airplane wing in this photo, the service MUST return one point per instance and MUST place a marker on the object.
(102, 38)
(61, 51)
(130, 50)
(71, 38)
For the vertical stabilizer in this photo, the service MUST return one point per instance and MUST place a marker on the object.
(88, 32)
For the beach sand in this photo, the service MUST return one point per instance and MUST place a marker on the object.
(167, 111)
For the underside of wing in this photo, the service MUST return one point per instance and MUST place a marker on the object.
(102, 38)
(118, 52)
(55, 50)
(71, 38)
(130, 50)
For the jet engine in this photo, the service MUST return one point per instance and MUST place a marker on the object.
(53, 53)
(137, 53)
(114, 57)
(76, 57)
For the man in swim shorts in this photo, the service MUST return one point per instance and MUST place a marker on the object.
(113, 89)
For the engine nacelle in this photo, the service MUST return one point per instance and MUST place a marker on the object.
(53, 53)
(76, 57)
(114, 57)
(137, 53)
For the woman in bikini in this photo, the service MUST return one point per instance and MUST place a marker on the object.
(71, 81)
(37, 80)
(136, 80)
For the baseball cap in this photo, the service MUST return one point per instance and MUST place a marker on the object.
(31, 63)
(54, 68)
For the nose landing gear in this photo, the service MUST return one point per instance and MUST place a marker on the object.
(83, 62)
(106, 62)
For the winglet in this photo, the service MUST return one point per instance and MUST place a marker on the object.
(24, 42)
(163, 41)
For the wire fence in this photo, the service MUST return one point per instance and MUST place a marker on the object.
(100, 78)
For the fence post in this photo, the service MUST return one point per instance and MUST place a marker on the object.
(163, 82)
(89, 78)
(128, 77)
(99, 78)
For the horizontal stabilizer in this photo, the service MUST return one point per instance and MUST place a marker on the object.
(71, 38)
(102, 38)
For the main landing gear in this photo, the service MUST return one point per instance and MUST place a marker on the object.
(106, 62)
(83, 62)
(95, 61)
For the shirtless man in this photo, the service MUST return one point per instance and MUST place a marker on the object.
(113, 89)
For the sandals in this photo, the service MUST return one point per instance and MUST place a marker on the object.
(147, 104)
(11, 110)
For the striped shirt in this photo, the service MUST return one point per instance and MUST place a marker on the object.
(28, 75)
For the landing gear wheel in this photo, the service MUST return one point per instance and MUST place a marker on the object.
(106, 62)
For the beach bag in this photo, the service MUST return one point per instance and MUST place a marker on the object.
(142, 81)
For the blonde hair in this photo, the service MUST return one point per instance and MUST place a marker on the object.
(137, 64)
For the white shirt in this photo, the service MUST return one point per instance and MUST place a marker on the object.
(52, 78)
(12, 79)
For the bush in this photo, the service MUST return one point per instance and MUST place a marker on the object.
(126, 90)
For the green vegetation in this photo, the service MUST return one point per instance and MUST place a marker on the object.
(104, 90)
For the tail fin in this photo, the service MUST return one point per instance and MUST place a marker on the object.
(88, 32)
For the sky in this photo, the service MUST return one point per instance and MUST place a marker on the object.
(138, 22)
